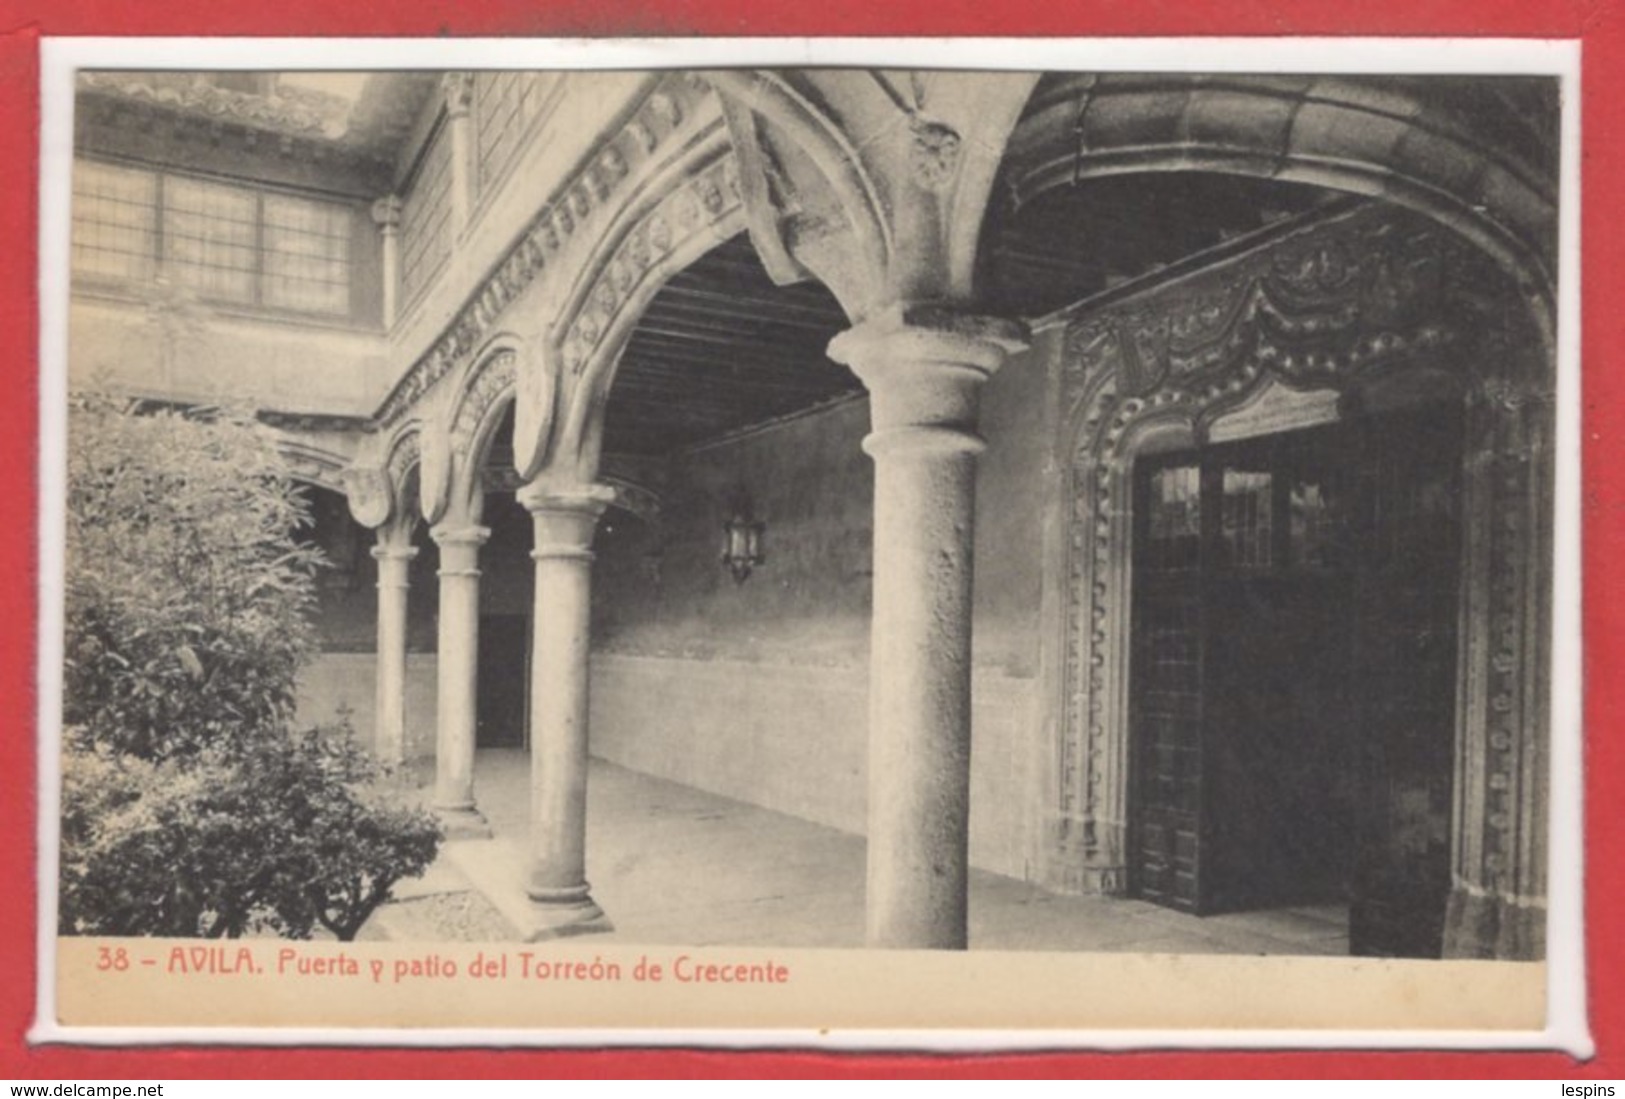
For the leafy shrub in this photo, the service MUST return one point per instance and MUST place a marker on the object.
(190, 805)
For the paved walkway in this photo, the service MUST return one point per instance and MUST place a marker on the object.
(671, 864)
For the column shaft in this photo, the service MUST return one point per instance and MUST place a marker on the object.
(390, 711)
(919, 695)
(391, 274)
(924, 369)
(561, 629)
(458, 667)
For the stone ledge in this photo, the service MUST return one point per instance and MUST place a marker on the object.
(497, 869)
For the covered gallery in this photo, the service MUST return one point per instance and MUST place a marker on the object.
(1233, 392)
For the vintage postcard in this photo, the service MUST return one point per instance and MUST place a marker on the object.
(835, 543)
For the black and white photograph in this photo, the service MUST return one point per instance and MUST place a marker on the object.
(756, 513)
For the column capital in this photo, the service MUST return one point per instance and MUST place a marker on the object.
(394, 553)
(458, 90)
(565, 518)
(924, 366)
(540, 495)
(928, 332)
(386, 213)
(459, 549)
(444, 535)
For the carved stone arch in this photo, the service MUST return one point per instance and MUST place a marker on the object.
(313, 465)
(402, 455)
(876, 182)
(1365, 137)
(693, 207)
(775, 98)
(1169, 365)
(474, 413)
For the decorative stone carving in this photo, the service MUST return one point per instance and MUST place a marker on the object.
(492, 381)
(313, 467)
(1323, 308)
(709, 197)
(547, 232)
(369, 495)
(403, 457)
(386, 213)
(933, 155)
(458, 90)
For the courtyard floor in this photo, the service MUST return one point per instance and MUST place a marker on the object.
(670, 864)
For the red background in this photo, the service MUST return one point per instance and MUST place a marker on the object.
(1598, 23)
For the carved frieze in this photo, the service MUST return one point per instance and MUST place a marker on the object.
(710, 196)
(493, 380)
(599, 180)
(403, 457)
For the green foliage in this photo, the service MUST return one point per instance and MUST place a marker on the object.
(188, 590)
(190, 806)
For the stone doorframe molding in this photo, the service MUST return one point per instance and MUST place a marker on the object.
(1365, 303)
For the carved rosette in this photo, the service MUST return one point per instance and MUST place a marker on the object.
(934, 149)
(1328, 307)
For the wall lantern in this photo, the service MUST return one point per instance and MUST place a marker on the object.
(742, 543)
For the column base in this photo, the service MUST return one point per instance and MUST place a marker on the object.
(463, 822)
(498, 869)
(546, 921)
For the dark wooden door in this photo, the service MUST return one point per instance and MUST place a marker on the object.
(1278, 607)
(1166, 702)
(1239, 700)
(504, 681)
(1292, 685)
(1406, 662)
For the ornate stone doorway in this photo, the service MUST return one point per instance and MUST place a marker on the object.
(1292, 680)
(1357, 316)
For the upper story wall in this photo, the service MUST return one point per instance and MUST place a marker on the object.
(464, 201)
(194, 248)
(192, 284)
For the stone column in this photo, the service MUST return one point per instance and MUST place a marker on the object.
(394, 553)
(458, 88)
(386, 214)
(557, 883)
(458, 664)
(924, 368)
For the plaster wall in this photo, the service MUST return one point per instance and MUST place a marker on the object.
(293, 365)
(759, 690)
(344, 683)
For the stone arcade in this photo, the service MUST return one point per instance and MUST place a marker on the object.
(1233, 392)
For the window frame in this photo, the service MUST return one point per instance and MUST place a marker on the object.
(159, 260)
